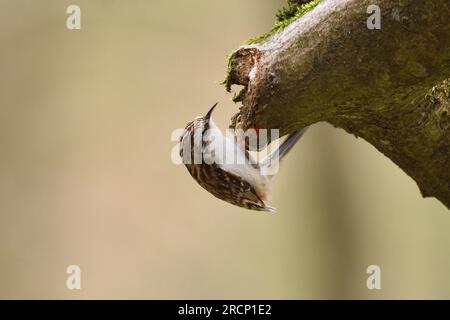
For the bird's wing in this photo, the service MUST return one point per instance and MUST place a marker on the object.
(227, 186)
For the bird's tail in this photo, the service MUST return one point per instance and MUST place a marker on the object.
(285, 147)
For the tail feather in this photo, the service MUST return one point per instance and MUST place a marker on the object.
(269, 209)
(285, 147)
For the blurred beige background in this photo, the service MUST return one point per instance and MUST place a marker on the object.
(86, 176)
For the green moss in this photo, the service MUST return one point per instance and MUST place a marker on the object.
(231, 65)
(285, 17)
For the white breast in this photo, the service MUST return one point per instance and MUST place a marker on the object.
(226, 153)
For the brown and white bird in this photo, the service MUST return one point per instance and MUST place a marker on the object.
(206, 153)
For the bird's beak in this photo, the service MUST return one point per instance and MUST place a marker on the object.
(208, 115)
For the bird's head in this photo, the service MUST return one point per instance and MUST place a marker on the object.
(198, 127)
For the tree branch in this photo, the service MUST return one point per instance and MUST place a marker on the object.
(387, 86)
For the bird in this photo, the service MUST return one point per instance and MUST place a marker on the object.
(243, 181)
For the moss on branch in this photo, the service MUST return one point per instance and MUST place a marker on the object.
(285, 16)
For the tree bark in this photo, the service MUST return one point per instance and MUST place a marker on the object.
(387, 86)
